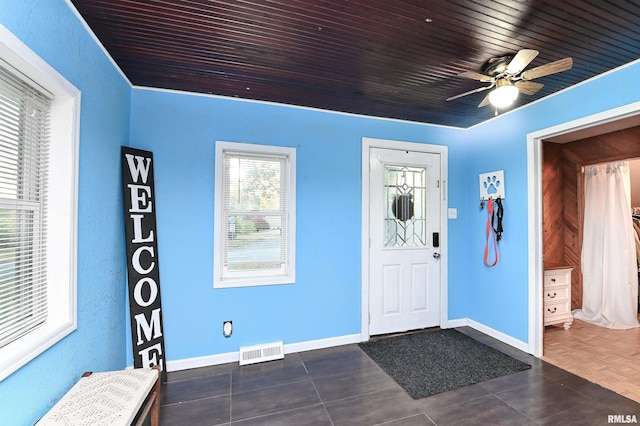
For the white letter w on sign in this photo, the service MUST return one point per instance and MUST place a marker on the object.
(138, 168)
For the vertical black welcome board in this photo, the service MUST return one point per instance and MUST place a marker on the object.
(143, 270)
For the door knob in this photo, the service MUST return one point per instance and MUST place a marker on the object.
(436, 255)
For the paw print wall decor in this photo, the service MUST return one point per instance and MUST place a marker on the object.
(492, 185)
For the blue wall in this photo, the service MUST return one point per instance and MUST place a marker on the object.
(499, 294)
(53, 31)
(181, 130)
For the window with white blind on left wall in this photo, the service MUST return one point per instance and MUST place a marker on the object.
(254, 224)
(39, 124)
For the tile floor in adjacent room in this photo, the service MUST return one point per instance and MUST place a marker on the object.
(343, 386)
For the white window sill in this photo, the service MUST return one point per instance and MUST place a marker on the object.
(252, 282)
(18, 353)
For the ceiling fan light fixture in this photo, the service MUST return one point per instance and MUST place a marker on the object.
(504, 94)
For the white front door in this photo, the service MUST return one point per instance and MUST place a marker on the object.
(404, 229)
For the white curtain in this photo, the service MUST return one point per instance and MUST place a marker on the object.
(609, 268)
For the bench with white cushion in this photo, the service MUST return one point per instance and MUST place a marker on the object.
(113, 398)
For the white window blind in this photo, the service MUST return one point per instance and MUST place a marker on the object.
(254, 214)
(24, 126)
(254, 240)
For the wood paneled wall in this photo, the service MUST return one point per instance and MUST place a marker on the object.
(562, 198)
(553, 204)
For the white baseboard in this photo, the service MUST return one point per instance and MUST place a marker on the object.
(322, 343)
(466, 322)
(511, 341)
(203, 361)
(462, 322)
(209, 360)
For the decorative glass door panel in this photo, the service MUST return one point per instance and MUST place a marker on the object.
(405, 198)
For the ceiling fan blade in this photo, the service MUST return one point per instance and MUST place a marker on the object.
(479, 89)
(550, 68)
(485, 101)
(521, 60)
(475, 76)
(528, 87)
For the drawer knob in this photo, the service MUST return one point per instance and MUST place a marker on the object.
(554, 310)
(552, 296)
(553, 280)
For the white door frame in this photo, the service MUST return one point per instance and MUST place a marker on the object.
(367, 144)
(535, 229)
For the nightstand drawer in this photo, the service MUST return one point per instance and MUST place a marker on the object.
(554, 294)
(552, 310)
(552, 279)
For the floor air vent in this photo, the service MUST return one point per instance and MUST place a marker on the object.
(261, 353)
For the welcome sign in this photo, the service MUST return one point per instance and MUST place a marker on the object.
(143, 271)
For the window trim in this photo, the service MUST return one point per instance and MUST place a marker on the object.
(62, 205)
(269, 278)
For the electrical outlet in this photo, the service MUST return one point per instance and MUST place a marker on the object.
(227, 328)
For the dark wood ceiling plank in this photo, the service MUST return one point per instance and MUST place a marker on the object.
(397, 59)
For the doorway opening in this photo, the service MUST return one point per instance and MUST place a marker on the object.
(541, 145)
(627, 116)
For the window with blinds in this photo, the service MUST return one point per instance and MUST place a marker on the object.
(255, 215)
(39, 145)
(24, 126)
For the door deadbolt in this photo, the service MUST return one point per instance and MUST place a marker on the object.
(436, 255)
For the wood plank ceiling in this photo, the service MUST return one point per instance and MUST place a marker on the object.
(386, 58)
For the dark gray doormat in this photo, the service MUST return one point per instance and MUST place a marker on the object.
(430, 362)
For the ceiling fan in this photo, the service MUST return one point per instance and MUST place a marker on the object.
(506, 74)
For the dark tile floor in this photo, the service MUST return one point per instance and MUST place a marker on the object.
(343, 386)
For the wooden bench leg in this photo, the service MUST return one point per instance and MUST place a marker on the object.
(152, 407)
(155, 407)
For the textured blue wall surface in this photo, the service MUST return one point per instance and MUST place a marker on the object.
(500, 294)
(52, 30)
(181, 130)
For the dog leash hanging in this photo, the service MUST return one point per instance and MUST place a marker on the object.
(497, 217)
(491, 232)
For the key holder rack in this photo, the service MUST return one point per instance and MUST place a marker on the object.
(491, 186)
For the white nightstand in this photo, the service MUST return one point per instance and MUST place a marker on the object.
(557, 296)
